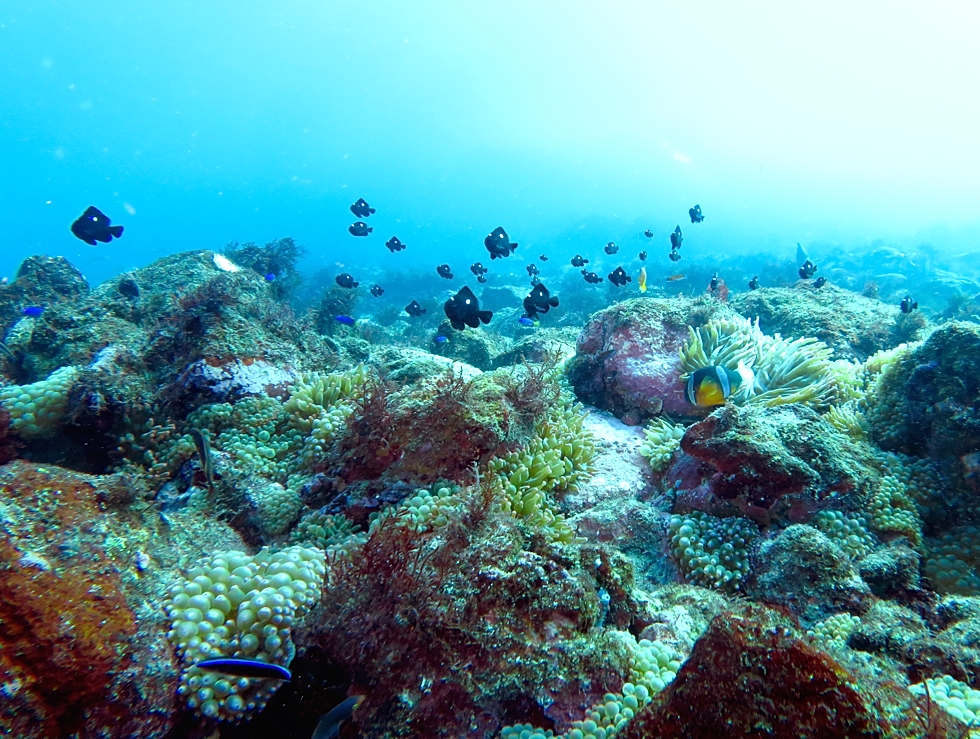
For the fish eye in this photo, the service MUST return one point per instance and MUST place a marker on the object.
(467, 302)
(95, 218)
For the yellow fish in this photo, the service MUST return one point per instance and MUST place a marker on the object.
(642, 280)
(711, 386)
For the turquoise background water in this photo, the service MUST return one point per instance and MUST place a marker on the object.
(571, 124)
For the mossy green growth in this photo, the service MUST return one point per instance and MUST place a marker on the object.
(334, 533)
(712, 552)
(663, 438)
(653, 666)
(558, 457)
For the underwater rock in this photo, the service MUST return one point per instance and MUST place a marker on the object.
(215, 382)
(473, 347)
(854, 326)
(40, 281)
(500, 298)
(406, 366)
(80, 648)
(891, 571)
(928, 403)
(752, 674)
(627, 358)
(543, 345)
(784, 462)
(805, 571)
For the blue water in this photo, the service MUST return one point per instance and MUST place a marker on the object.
(571, 124)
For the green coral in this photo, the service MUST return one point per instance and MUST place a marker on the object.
(952, 561)
(833, 632)
(334, 533)
(663, 438)
(231, 604)
(712, 552)
(893, 510)
(557, 458)
(37, 410)
(850, 533)
(850, 419)
(956, 698)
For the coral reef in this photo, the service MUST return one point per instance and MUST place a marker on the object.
(712, 552)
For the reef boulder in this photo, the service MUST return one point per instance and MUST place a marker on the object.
(627, 358)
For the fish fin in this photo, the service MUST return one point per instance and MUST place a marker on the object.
(372, 210)
(370, 229)
(485, 315)
(116, 231)
(553, 301)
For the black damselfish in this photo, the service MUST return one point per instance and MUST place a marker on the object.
(579, 261)
(359, 229)
(643, 256)
(543, 257)
(808, 270)
(498, 243)
(345, 280)
(463, 309)
(394, 244)
(532, 269)
(444, 271)
(478, 269)
(482, 279)
(754, 283)
(361, 209)
(820, 282)
(611, 248)
(619, 277)
(539, 300)
(648, 233)
(414, 309)
(591, 277)
(675, 256)
(676, 238)
(377, 291)
(908, 305)
(93, 225)
(695, 214)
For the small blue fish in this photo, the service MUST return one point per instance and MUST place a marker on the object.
(441, 339)
(346, 320)
(33, 311)
(270, 277)
(245, 668)
(525, 321)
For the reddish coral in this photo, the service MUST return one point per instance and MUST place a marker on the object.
(750, 675)
(66, 629)
(457, 633)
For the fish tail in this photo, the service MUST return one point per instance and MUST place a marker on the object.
(486, 315)
(116, 231)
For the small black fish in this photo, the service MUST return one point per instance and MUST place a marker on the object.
(695, 214)
(377, 291)
(239, 667)
(463, 309)
(713, 285)
(394, 244)
(482, 279)
(543, 257)
(93, 225)
(478, 269)
(611, 248)
(676, 238)
(539, 300)
(808, 270)
(361, 209)
(345, 280)
(532, 269)
(414, 309)
(444, 271)
(498, 243)
(648, 233)
(820, 282)
(359, 229)
(535, 280)
(591, 277)
(908, 305)
(579, 261)
(754, 283)
(675, 256)
(643, 256)
(619, 277)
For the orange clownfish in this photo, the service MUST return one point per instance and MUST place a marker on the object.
(711, 386)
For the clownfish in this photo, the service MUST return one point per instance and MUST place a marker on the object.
(710, 386)
(642, 280)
